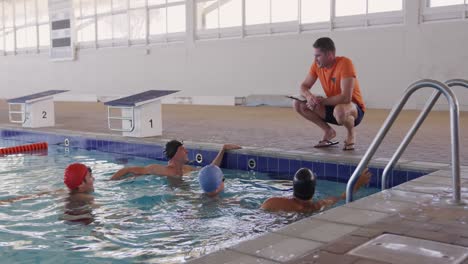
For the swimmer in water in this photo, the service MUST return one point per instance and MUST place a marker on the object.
(177, 166)
(303, 191)
(79, 202)
(211, 180)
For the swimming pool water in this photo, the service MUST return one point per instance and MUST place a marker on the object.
(144, 219)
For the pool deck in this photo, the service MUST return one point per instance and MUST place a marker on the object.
(420, 208)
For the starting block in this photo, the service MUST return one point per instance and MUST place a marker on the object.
(137, 115)
(35, 110)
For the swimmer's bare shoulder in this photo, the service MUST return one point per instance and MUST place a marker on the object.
(279, 204)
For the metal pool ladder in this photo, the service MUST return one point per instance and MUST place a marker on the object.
(454, 129)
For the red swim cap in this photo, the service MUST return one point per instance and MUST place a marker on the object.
(74, 175)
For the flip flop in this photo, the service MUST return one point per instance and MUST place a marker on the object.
(325, 143)
(348, 146)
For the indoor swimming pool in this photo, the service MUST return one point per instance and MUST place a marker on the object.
(144, 219)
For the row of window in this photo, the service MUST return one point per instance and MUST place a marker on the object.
(222, 13)
(24, 24)
(439, 3)
(111, 21)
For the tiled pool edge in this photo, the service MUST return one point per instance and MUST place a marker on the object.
(320, 230)
(275, 162)
(293, 241)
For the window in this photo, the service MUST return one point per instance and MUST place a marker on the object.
(20, 16)
(158, 21)
(8, 26)
(103, 6)
(358, 7)
(26, 37)
(2, 40)
(112, 21)
(284, 11)
(44, 35)
(170, 19)
(223, 18)
(2, 32)
(313, 11)
(109, 22)
(257, 12)
(436, 10)
(100, 23)
(104, 25)
(85, 24)
(270, 11)
(176, 18)
(137, 24)
(156, 2)
(87, 7)
(350, 7)
(119, 5)
(437, 3)
(137, 3)
(208, 14)
(85, 30)
(22, 25)
(30, 11)
(120, 26)
(230, 14)
(43, 23)
(213, 14)
(377, 6)
(42, 11)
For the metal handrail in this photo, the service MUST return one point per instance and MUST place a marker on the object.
(454, 118)
(415, 127)
(131, 119)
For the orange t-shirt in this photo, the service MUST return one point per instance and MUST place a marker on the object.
(331, 79)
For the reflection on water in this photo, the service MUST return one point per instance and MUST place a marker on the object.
(144, 219)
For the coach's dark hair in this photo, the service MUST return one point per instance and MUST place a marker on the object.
(325, 44)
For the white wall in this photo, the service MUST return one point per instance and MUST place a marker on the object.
(387, 60)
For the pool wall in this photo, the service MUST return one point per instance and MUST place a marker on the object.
(277, 163)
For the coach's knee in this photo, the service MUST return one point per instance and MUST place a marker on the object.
(340, 114)
(300, 107)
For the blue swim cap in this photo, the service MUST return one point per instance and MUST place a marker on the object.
(210, 177)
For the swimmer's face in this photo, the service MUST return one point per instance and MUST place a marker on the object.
(88, 183)
(181, 155)
(218, 190)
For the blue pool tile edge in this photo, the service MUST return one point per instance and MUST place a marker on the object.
(276, 165)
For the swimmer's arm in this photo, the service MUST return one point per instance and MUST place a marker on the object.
(124, 171)
(188, 168)
(138, 171)
(363, 180)
(30, 196)
(219, 158)
(325, 203)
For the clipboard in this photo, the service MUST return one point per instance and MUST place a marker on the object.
(300, 99)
